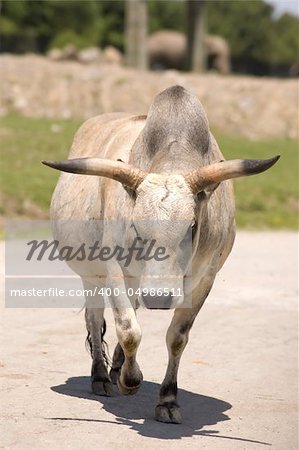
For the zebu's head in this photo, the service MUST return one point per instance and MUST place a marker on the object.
(165, 213)
(171, 204)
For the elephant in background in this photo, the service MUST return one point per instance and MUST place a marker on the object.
(167, 49)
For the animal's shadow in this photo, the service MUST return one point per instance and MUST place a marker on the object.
(198, 410)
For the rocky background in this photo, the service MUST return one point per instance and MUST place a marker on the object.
(92, 83)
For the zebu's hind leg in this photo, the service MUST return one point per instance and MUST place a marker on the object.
(100, 381)
(94, 317)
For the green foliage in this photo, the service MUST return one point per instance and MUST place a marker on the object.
(286, 49)
(17, 11)
(165, 14)
(112, 23)
(244, 24)
(8, 27)
(268, 200)
(50, 19)
(259, 43)
(67, 37)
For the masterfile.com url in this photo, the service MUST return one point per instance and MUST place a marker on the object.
(53, 292)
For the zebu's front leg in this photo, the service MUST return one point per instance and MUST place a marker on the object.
(168, 409)
(177, 336)
(129, 337)
(118, 355)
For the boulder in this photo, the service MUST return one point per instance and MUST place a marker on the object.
(113, 56)
(89, 55)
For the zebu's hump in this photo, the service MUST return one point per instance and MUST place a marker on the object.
(174, 93)
(176, 114)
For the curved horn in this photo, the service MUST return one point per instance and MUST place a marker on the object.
(206, 176)
(124, 173)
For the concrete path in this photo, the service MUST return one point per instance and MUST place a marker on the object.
(237, 379)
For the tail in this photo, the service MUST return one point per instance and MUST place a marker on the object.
(105, 348)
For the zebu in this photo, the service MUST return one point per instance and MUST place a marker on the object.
(166, 168)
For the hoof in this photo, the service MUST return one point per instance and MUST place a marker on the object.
(128, 390)
(124, 390)
(102, 388)
(168, 413)
(114, 375)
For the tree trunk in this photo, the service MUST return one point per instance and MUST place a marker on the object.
(196, 24)
(136, 33)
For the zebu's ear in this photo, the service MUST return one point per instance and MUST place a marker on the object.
(126, 174)
(207, 176)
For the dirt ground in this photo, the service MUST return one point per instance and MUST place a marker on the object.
(237, 379)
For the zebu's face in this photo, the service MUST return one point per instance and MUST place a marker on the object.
(164, 212)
